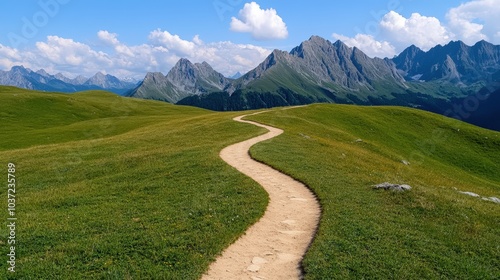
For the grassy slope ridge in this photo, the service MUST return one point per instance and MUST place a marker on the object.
(123, 188)
(430, 232)
(115, 188)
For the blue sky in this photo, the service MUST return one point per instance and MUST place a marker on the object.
(130, 38)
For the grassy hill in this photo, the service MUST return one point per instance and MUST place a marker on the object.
(431, 232)
(116, 188)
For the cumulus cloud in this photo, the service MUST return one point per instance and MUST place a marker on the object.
(74, 55)
(232, 57)
(197, 40)
(475, 20)
(173, 42)
(262, 24)
(398, 32)
(224, 57)
(108, 38)
(159, 54)
(470, 22)
(9, 57)
(368, 44)
(422, 31)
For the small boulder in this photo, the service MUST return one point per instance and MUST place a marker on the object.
(392, 187)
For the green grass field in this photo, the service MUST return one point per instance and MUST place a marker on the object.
(431, 232)
(114, 188)
(117, 188)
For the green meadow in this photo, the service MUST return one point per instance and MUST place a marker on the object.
(430, 232)
(117, 188)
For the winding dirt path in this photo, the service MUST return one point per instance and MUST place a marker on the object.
(274, 246)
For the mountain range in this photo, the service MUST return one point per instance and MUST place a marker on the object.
(439, 80)
(457, 80)
(22, 77)
(185, 79)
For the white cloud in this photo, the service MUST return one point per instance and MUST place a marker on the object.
(470, 22)
(398, 33)
(424, 32)
(197, 40)
(172, 42)
(108, 38)
(262, 24)
(61, 51)
(224, 57)
(9, 57)
(229, 58)
(476, 20)
(368, 44)
(163, 50)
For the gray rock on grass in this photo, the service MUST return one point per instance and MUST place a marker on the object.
(392, 187)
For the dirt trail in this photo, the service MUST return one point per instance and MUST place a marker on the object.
(274, 246)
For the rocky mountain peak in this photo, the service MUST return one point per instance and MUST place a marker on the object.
(63, 78)
(20, 69)
(97, 78)
(411, 51)
(42, 72)
(205, 64)
(184, 79)
(236, 75)
(455, 62)
(79, 80)
(457, 45)
(101, 80)
(99, 75)
(272, 59)
(204, 70)
(318, 42)
(182, 73)
(485, 51)
(185, 69)
(483, 45)
(343, 50)
(154, 77)
(311, 47)
(183, 65)
(359, 54)
(406, 60)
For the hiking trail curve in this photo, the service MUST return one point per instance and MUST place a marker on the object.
(273, 247)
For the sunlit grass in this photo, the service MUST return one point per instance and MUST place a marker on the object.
(107, 192)
(116, 188)
(430, 232)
